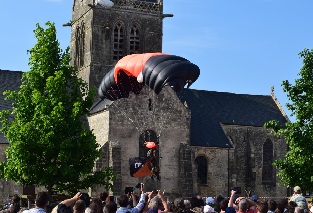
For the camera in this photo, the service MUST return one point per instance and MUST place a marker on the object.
(129, 190)
(237, 189)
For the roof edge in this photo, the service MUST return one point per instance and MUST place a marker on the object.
(278, 104)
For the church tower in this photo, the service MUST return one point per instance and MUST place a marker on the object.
(103, 33)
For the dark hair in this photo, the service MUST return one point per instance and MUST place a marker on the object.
(103, 196)
(123, 200)
(16, 199)
(224, 204)
(272, 205)
(262, 206)
(281, 205)
(42, 199)
(110, 207)
(85, 197)
(79, 206)
(96, 206)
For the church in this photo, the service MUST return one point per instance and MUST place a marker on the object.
(208, 141)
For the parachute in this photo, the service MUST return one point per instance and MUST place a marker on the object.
(140, 167)
(156, 70)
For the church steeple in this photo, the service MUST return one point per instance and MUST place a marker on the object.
(102, 35)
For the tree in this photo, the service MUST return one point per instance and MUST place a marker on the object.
(50, 143)
(295, 169)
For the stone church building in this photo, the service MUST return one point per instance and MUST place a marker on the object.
(208, 141)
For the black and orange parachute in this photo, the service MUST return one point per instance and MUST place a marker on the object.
(140, 167)
(156, 70)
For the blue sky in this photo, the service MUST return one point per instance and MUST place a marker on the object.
(241, 46)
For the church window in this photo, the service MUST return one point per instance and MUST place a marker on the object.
(202, 169)
(80, 45)
(147, 136)
(134, 40)
(150, 104)
(268, 158)
(118, 41)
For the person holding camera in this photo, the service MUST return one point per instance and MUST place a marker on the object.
(123, 201)
(242, 204)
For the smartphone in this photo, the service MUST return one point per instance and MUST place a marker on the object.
(112, 198)
(128, 190)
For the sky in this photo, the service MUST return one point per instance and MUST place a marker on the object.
(242, 46)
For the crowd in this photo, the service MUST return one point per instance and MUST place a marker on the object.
(155, 202)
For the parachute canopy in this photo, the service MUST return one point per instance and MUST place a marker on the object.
(155, 70)
(140, 167)
(150, 145)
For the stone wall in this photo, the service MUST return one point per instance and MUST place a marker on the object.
(168, 117)
(247, 163)
(218, 176)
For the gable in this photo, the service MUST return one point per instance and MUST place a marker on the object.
(210, 109)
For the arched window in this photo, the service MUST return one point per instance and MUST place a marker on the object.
(147, 136)
(202, 169)
(268, 158)
(80, 45)
(118, 41)
(134, 40)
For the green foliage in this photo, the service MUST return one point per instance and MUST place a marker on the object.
(50, 143)
(295, 169)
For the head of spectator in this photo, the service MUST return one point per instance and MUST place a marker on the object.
(201, 201)
(96, 206)
(243, 205)
(224, 204)
(262, 206)
(209, 201)
(86, 198)
(103, 196)
(154, 204)
(42, 200)
(187, 205)
(110, 207)
(79, 206)
(254, 198)
(297, 190)
(123, 200)
(281, 205)
(272, 205)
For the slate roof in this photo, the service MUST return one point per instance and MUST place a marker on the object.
(210, 109)
(9, 80)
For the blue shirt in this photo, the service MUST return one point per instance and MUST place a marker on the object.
(136, 209)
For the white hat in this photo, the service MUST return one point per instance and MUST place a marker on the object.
(209, 200)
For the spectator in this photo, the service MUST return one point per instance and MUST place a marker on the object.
(208, 208)
(79, 206)
(123, 201)
(110, 207)
(282, 205)
(42, 201)
(96, 206)
(157, 203)
(262, 206)
(299, 199)
(103, 196)
(272, 205)
(66, 205)
(223, 205)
